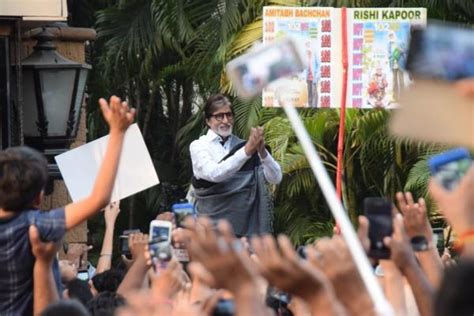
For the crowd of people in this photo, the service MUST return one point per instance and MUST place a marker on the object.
(248, 273)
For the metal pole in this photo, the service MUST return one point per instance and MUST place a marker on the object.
(360, 258)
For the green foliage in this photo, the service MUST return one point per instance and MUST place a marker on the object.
(165, 57)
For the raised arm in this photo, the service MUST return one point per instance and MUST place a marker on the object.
(417, 224)
(458, 208)
(279, 263)
(119, 117)
(44, 288)
(133, 280)
(105, 258)
(404, 258)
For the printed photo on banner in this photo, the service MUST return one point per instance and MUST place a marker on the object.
(379, 40)
(311, 28)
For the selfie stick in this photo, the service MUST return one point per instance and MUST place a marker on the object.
(381, 305)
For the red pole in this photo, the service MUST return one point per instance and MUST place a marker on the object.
(342, 120)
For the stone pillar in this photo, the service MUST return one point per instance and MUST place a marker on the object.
(70, 43)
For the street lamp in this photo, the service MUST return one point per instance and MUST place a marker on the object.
(53, 91)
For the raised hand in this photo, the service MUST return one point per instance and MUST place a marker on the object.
(137, 243)
(44, 289)
(363, 232)
(261, 146)
(414, 216)
(279, 263)
(43, 251)
(457, 205)
(111, 212)
(333, 257)
(404, 258)
(117, 114)
(401, 252)
(168, 281)
(77, 254)
(254, 141)
(281, 266)
(221, 254)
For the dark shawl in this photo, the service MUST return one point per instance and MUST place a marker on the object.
(243, 199)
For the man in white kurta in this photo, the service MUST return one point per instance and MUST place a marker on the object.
(227, 169)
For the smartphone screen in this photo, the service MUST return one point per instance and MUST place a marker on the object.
(181, 212)
(124, 240)
(224, 307)
(449, 167)
(442, 51)
(438, 239)
(160, 242)
(160, 231)
(83, 275)
(124, 245)
(379, 213)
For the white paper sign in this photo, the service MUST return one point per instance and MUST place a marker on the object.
(80, 166)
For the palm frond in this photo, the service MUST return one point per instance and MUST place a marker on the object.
(247, 115)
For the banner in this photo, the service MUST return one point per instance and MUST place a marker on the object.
(377, 42)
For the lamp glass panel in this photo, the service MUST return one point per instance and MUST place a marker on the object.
(79, 97)
(30, 111)
(57, 88)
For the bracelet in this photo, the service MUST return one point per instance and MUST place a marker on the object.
(105, 255)
(464, 238)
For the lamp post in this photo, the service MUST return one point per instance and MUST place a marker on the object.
(53, 91)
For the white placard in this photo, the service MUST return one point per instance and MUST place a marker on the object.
(136, 172)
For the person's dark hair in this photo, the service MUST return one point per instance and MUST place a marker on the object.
(65, 307)
(23, 174)
(105, 304)
(78, 289)
(454, 296)
(214, 102)
(108, 280)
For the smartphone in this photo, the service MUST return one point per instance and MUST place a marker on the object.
(83, 275)
(449, 167)
(441, 51)
(301, 251)
(123, 241)
(181, 212)
(224, 307)
(379, 213)
(438, 239)
(160, 242)
(160, 231)
(251, 72)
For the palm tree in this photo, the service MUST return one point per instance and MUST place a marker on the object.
(166, 56)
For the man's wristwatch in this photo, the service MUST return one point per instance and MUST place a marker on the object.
(419, 243)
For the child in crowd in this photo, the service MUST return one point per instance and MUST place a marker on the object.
(23, 176)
